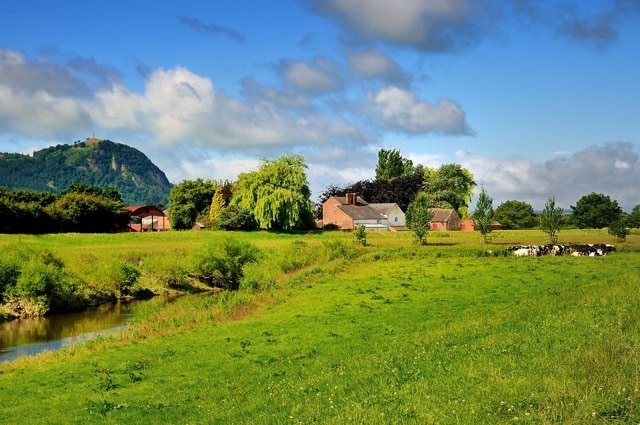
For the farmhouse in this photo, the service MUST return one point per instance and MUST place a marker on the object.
(351, 211)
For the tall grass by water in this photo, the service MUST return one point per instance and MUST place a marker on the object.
(326, 331)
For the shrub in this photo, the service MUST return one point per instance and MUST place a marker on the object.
(220, 264)
(338, 249)
(9, 273)
(361, 235)
(43, 285)
(296, 257)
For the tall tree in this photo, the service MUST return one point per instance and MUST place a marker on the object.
(451, 185)
(551, 220)
(391, 165)
(418, 216)
(189, 200)
(595, 211)
(515, 215)
(217, 205)
(277, 194)
(483, 215)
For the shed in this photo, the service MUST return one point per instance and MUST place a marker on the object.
(151, 218)
(444, 219)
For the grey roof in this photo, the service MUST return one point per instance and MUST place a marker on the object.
(361, 212)
(383, 209)
(442, 214)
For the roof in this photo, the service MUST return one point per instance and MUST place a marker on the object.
(442, 214)
(361, 212)
(383, 209)
(145, 211)
(343, 200)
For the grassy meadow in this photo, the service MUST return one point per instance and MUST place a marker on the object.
(324, 330)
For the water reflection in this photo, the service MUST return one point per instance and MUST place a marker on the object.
(33, 335)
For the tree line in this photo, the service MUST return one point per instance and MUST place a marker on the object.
(79, 208)
(277, 197)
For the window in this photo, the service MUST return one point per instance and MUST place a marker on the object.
(396, 219)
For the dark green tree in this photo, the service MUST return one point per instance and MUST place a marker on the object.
(419, 215)
(619, 228)
(483, 215)
(451, 185)
(88, 213)
(235, 218)
(277, 194)
(515, 215)
(391, 165)
(633, 219)
(189, 200)
(551, 220)
(595, 211)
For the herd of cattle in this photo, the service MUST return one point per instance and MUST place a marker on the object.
(591, 250)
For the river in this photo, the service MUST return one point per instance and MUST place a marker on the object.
(25, 337)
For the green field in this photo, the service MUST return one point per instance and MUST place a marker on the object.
(325, 331)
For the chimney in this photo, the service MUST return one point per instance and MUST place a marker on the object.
(352, 198)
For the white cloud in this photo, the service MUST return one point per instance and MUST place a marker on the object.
(402, 110)
(375, 64)
(314, 77)
(612, 169)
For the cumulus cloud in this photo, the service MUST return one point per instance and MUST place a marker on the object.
(429, 25)
(280, 98)
(176, 106)
(612, 169)
(198, 25)
(402, 110)
(373, 64)
(319, 76)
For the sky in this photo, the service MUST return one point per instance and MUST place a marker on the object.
(538, 99)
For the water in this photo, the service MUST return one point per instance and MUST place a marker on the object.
(26, 337)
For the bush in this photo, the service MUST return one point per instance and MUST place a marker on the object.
(235, 218)
(220, 264)
(296, 257)
(43, 285)
(9, 273)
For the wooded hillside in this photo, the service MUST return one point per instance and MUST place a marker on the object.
(94, 162)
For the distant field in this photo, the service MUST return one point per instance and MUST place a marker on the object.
(336, 333)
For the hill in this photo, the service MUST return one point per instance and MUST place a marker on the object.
(96, 162)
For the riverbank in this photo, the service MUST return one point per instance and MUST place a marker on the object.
(390, 333)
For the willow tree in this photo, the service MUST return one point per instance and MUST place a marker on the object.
(277, 194)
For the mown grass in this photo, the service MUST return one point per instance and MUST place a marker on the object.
(390, 333)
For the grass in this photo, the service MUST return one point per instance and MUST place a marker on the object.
(390, 333)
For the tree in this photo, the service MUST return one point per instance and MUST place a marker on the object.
(451, 184)
(483, 215)
(235, 218)
(595, 211)
(551, 220)
(619, 229)
(633, 219)
(391, 165)
(217, 205)
(88, 213)
(189, 200)
(418, 216)
(277, 194)
(361, 235)
(515, 215)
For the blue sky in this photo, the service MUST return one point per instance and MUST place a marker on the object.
(538, 99)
